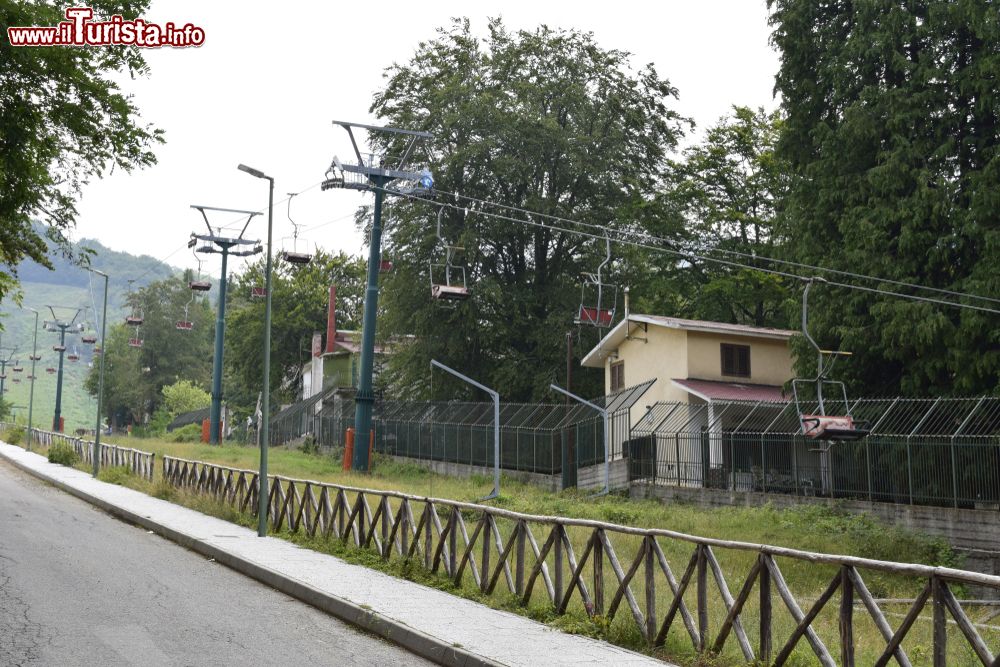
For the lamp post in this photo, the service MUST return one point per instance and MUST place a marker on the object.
(100, 377)
(265, 415)
(31, 392)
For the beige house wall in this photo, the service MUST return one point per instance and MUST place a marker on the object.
(770, 360)
(663, 357)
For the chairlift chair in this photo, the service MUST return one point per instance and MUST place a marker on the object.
(258, 292)
(50, 370)
(73, 356)
(35, 357)
(58, 348)
(135, 342)
(185, 324)
(453, 286)
(385, 266)
(18, 369)
(294, 256)
(820, 425)
(596, 296)
(89, 339)
(16, 380)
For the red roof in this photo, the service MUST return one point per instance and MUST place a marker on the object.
(732, 391)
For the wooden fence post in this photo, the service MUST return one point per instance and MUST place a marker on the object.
(765, 611)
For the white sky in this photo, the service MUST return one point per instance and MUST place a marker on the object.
(263, 89)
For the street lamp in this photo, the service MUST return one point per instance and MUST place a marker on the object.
(31, 392)
(265, 420)
(100, 381)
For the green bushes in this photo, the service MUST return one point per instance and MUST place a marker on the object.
(63, 454)
(14, 435)
(188, 433)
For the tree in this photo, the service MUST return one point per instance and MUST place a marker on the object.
(63, 121)
(299, 298)
(135, 377)
(184, 396)
(729, 190)
(545, 120)
(892, 138)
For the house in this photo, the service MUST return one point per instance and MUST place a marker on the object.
(695, 362)
(337, 366)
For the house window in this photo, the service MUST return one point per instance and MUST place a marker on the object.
(736, 360)
(617, 375)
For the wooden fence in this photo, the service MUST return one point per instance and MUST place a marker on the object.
(139, 462)
(607, 571)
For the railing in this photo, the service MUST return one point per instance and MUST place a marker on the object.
(630, 569)
(137, 461)
(942, 471)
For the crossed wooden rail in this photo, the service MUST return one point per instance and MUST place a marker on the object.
(438, 537)
(139, 462)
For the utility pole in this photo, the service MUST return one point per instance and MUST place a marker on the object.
(31, 378)
(216, 243)
(100, 381)
(373, 173)
(61, 325)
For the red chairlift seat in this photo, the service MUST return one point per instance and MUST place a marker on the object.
(16, 380)
(200, 285)
(183, 325)
(3, 376)
(299, 258)
(597, 316)
(89, 340)
(450, 292)
(18, 369)
(134, 320)
(833, 427)
(258, 293)
(31, 377)
(50, 370)
(135, 342)
(35, 357)
(385, 266)
(58, 348)
(72, 356)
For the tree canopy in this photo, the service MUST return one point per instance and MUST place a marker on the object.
(74, 125)
(892, 141)
(545, 120)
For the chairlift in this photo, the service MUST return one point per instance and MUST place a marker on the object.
(453, 286)
(31, 377)
(16, 380)
(258, 292)
(294, 256)
(88, 339)
(134, 318)
(385, 266)
(58, 348)
(135, 342)
(185, 324)
(18, 369)
(198, 285)
(35, 357)
(50, 370)
(596, 296)
(73, 356)
(821, 425)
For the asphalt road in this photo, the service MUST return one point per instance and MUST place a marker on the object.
(80, 588)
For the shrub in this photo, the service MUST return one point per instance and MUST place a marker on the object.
(309, 445)
(187, 433)
(64, 454)
(115, 475)
(15, 435)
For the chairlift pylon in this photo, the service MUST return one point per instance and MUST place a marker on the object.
(453, 286)
(595, 296)
(840, 426)
(294, 256)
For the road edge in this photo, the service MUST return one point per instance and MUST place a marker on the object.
(390, 629)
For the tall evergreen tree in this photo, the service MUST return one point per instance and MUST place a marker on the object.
(893, 139)
(545, 120)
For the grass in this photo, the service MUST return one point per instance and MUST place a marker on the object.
(809, 527)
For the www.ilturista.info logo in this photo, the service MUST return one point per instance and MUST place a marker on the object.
(80, 30)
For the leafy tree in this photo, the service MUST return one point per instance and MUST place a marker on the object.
(299, 297)
(892, 138)
(728, 193)
(135, 377)
(63, 121)
(184, 396)
(545, 120)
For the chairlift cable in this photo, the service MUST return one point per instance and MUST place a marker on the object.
(689, 256)
(735, 253)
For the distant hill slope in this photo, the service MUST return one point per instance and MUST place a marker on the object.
(68, 287)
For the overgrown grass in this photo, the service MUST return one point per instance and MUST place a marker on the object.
(810, 527)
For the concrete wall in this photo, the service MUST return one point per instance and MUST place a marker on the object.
(770, 360)
(591, 477)
(975, 533)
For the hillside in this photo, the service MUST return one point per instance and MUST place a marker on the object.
(68, 288)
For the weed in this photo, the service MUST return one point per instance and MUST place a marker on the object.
(64, 454)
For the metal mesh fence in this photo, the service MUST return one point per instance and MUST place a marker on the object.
(920, 451)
